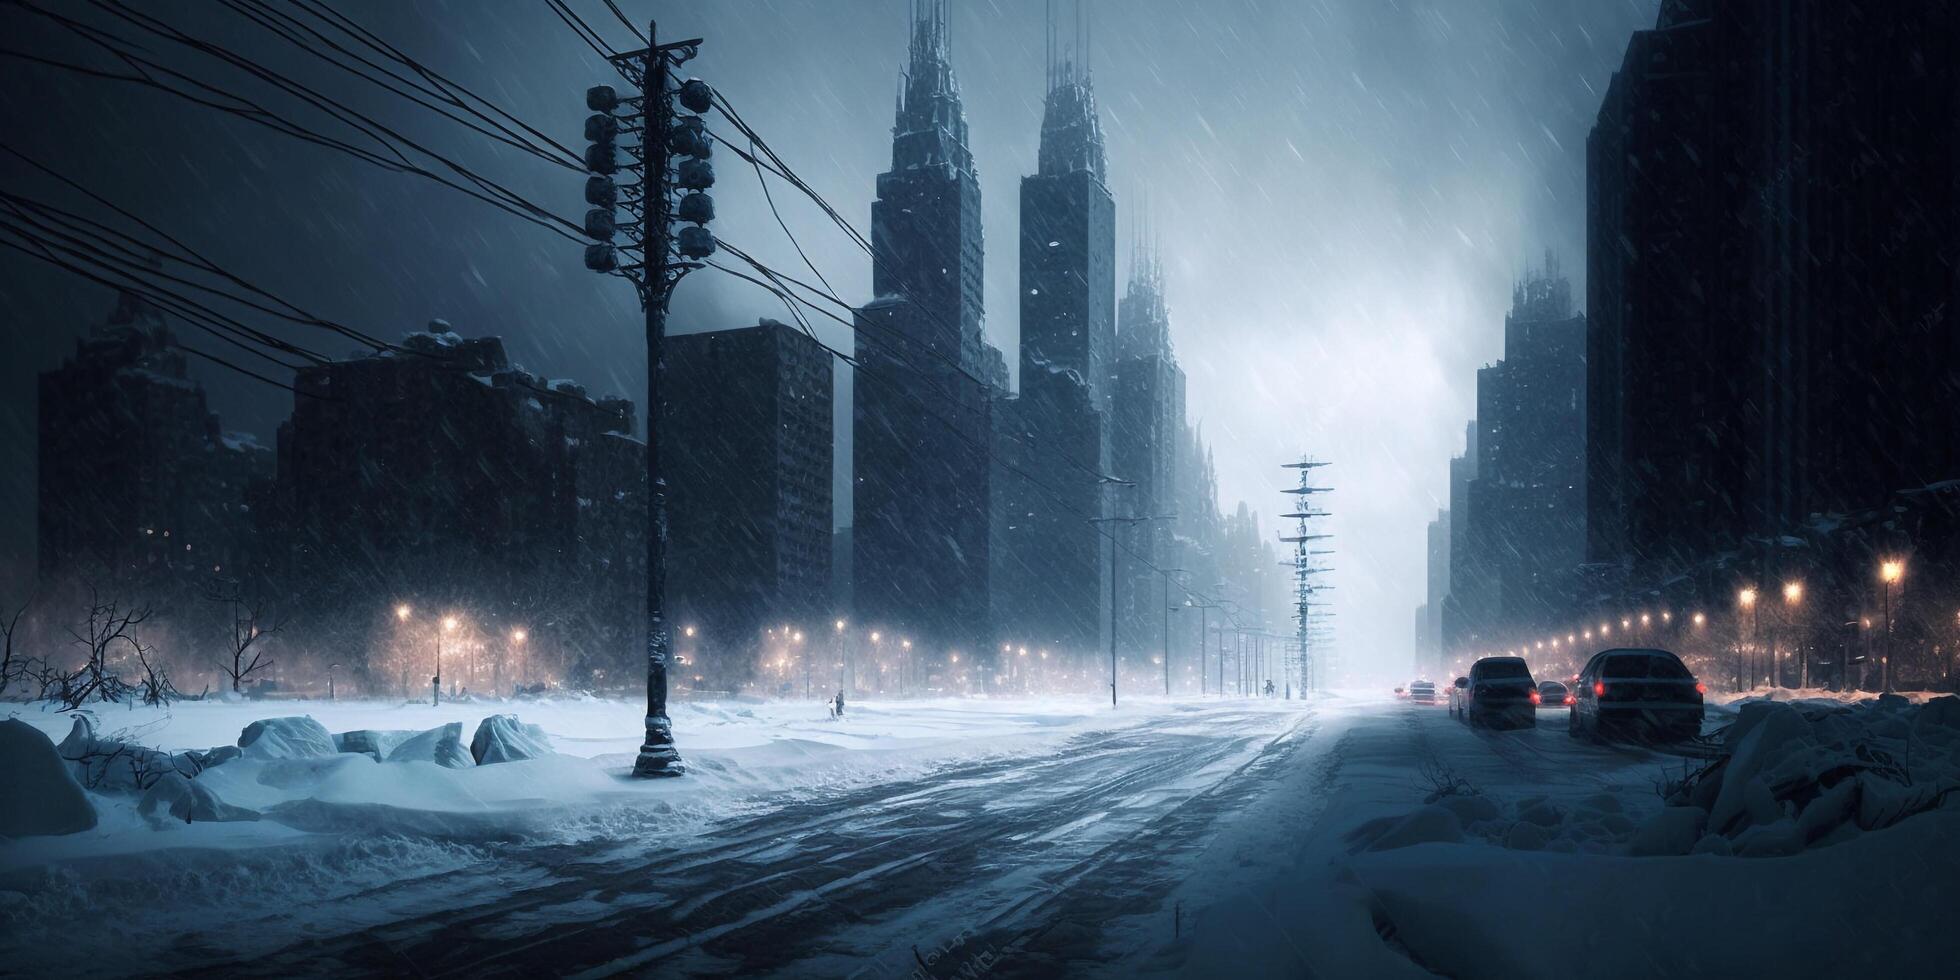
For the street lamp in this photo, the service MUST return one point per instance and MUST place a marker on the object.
(1889, 572)
(517, 638)
(1747, 598)
(435, 683)
(1792, 598)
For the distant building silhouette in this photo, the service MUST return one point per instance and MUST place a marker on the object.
(140, 490)
(1050, 587)
(445, 479)
(1772, 286)
(925, 390)
(747, 450)
(1146, 440)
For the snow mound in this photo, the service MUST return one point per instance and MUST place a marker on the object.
(297, 737)
(370, 742)
(113, 765)
(442, 745)
(175, 799)
(1810, 774)
(502, 738)
(42, 797)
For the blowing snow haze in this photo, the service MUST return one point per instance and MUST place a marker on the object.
(1342, 192)
(957, 488)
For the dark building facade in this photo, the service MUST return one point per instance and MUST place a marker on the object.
(1773, 273)
(1147, 431)
(1050, 586)
(141, 493)
(440, 479)
(747, 451)
(1429, 651)
(1467, 608)
(1528, 500)
(927, 384)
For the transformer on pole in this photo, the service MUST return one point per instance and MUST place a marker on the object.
(1312, 668)
(668, 175)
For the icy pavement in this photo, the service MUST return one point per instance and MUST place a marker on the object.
(787, 815)
(961, 838)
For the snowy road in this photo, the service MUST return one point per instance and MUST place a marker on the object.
(1185, 838)
(1030, 853)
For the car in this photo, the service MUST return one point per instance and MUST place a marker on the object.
(1422, 692)
(1498, 690)
(1401, 692)
(1637, 693)
(1552, 694)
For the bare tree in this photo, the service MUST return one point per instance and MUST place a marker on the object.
(249, 626)
(107, 626)
(13, 668)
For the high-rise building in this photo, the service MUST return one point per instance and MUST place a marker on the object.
(439, 479)
(1466, 609)
(141, 493)
(1771, 279)
(1050, 584)
(1430, 658)
(1526, 517)
(1147, 428)
(746, 449)
(926, 387)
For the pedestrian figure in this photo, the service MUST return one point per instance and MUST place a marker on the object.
(837, 705)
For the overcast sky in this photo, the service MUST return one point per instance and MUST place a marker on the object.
(1343, 190)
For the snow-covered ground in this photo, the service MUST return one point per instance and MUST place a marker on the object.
(347, 826)
(1350, 835)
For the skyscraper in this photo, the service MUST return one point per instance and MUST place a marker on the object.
(1050, 584)
(1147, 428)
(1771, 275)
(141, 493)
(925, 390)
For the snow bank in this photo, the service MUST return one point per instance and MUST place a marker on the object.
(502, 738)
(286, 738)
(42, 797)
(1885, 901)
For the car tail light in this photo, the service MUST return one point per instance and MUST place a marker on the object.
(1701, 688)
(1537, 698)
(1569, 699)
(1599, 689)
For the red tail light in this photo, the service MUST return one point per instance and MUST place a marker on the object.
(1599, 689)
(1569, 699)
(1536, 698)
(1701, 688)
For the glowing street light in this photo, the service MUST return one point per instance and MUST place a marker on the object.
(402, 611)
(1889, 572)
(1747, 599)
(435, 683)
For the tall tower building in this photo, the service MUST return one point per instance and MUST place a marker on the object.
(1771, 282)
(1147, 426)
(928, 381)
(1050, 582)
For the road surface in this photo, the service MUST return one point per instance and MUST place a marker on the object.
(1095, 858)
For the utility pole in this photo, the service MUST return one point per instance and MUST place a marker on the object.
(1113, 542)
(1167, 572)
(671, 157)
(1304, 585)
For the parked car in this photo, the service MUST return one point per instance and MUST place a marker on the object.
(1552, 694)
(1637, 693)
(1401, 692)
(1499, 690)
(1422, 692)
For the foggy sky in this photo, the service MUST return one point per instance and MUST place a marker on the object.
(1343, 192)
